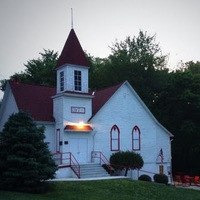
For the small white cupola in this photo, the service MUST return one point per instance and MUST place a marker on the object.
(72, 67)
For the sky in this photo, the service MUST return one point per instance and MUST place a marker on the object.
(29, 26)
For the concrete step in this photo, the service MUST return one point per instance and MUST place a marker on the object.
(92, 171)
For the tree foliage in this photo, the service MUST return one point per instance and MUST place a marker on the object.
(39, 71)
(178, 108)
(142, 50)
(138, 60)
(25, 161)
(126, 160)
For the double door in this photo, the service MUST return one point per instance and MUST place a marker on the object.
(79, 148)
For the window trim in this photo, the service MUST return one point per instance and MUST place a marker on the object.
(77, 80)
(57, 140)
(136, 128)
(115, 127)
(62, 81)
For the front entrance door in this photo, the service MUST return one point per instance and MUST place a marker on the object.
(79, 148)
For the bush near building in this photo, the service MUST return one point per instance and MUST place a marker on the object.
(145, 177)
(161, 178)
(126, 160)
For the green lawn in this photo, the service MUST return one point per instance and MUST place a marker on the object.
(107, 190)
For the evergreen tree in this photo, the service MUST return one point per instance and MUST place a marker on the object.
(25, 160)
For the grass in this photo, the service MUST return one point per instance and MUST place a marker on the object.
(107, 189)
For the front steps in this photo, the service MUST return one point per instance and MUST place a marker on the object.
(92, 170)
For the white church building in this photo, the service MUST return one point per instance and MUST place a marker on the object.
(84, 128)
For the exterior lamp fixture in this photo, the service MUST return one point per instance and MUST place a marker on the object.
(78, 127)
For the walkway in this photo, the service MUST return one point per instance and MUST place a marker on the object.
(193, 187)
(91, 179)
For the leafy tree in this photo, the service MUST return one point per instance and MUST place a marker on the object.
(3, 84)
(178, 108)
(141, 50)
(138, 60)
(126, 160)
(25, 161)
(39, 71)
(193, 67)
(98, 72)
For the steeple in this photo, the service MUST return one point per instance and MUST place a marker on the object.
(72, 52)
(72, 67)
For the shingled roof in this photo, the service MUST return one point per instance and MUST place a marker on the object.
(34, 99)
(37, 99)
(72, 52)
(102, 96)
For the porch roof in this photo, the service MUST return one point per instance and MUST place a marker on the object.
(77, 128)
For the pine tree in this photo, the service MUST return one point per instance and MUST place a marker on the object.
(25, 160)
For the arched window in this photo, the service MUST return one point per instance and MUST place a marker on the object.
(115, 138)
(136, 138)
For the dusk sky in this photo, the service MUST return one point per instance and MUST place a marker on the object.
(29, 26)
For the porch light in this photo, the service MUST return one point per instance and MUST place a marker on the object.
(81, 126)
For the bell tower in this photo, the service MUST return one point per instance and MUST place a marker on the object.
(72, 102)
(72, 67)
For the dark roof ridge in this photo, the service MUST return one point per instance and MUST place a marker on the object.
(102, 96)
(31, 84)
(106, 88)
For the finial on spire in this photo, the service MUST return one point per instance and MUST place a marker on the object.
(72, 18)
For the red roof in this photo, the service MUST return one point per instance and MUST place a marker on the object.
(72, 52)
(34, 99)
(102, 96)
(37, 99)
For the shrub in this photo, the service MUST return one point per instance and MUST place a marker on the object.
(126, 160)
(160, 178)
(144, 177)
(25, 160)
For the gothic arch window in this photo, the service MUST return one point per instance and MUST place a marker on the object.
(115, 138)
(136, 143)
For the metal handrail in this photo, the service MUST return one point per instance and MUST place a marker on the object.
(102, 159)
(75, 166)
(60, 159)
